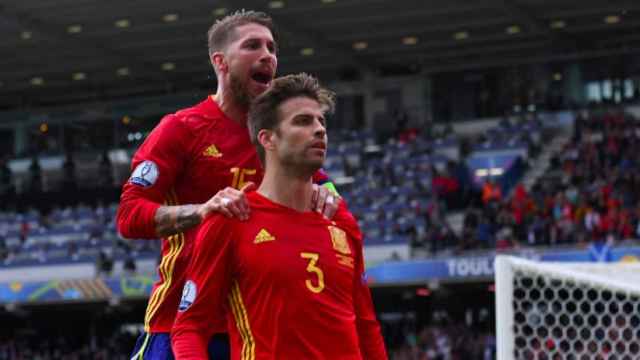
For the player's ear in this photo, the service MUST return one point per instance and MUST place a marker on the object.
(266, 139)
(219, 63)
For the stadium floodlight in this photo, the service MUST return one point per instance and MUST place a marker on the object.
(74, 29)
(123, 71)
(307, 51)
(566, 310)
(170, 17)
(276, 4)
(360, 45)
(37, 81)
(513, 29)
(220, 11)
(410, 40)
(122, 23)
(612, 19)
(461, 35)
(168, 66)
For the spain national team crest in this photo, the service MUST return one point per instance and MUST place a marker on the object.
(339, 240)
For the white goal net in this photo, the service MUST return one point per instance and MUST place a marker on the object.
(567, 311)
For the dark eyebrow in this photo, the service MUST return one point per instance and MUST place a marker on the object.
(269, 42)
(305, 116)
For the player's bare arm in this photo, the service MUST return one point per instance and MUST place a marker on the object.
(171, 220)
(230, 202)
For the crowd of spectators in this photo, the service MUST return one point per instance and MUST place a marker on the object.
(589, 195)
(442, 339)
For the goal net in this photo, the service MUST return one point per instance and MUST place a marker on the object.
(567, 311)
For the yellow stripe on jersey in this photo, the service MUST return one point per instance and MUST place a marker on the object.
(242, 322)
(153, 300)
(239, 324)
(159, 294)
(176, 243)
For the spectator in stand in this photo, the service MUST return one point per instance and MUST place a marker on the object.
(106, 171)
(35, 171)
(4, 250)
(491, 191)
(69, 182)
(72, 250)
(129, 264)
(104, 264)
(6, 182)
(24, 231)
(445, 186)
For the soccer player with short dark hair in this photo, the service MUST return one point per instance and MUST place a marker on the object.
(199, 161)
(292, 279)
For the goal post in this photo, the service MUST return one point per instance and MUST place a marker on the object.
(550, 310)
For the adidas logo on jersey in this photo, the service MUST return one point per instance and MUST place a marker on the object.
(263, 236)
(212, 151)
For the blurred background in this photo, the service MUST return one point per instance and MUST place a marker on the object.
(463, 129)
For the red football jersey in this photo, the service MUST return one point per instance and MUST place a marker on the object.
(186, 159)
(292, 280)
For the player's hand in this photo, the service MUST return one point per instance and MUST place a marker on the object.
(324, 201)
(230, 202)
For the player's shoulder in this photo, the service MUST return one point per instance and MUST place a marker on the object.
(217, 222)
(196, 115)
(214, 229)
(345, 220)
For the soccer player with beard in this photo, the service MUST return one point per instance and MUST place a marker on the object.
(200, 161)
(292, 279)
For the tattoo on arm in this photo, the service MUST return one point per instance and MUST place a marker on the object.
(171, 220)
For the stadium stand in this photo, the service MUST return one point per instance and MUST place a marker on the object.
(400, 190)
(575, 202)
(66, 235)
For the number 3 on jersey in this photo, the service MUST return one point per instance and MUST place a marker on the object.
(312, 268)
(239, 177)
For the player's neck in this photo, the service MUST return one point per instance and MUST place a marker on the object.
(229, 106)
(288, 189)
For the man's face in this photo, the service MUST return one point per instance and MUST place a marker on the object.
(250, 62)
(301, 137)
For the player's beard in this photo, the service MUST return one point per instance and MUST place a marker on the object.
(240, 92)
(300, 168)
(299, 164)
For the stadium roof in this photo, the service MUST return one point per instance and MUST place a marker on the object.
(63, 51)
